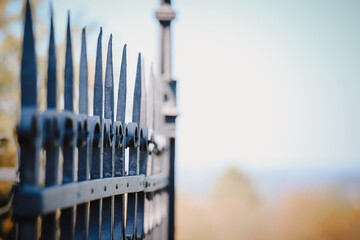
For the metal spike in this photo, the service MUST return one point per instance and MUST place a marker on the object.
(98, 85)
(83, 77)
(109, 84)
(137, 93)
(69, 72)
(121, 104)
(51, 86)
(28, 63)
(143, 96)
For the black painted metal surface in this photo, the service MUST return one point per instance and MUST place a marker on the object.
(96, 199)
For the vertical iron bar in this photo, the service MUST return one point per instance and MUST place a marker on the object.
(82, 211)
(96, 163)
(119, 201)
(28, 131)
(52, 150)
(171, 191)
(67, 215)
(108, 157)
(134, 157)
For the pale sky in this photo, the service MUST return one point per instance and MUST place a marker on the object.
(262, 84)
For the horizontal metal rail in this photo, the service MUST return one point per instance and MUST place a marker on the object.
(40, 201)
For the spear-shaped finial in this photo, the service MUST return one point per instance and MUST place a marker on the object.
(137, 93)
(98, 86)
(69, 72)
(83, 77)
(109, 84)
(51, 86)
(121, 104)
(28, 63)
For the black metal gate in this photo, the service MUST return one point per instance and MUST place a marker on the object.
(87, 194)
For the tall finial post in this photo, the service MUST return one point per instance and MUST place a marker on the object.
(165, 14)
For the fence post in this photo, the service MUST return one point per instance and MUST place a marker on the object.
(165, 15)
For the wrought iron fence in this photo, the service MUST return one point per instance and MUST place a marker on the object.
(87, 194)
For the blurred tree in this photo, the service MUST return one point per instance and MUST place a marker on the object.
(10, 54)
(234, 185)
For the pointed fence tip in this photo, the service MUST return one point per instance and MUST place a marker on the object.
(51, 18)
(28, 62)
(109, 84)
(100, 33)
(139, 65)
(137, 92)
(83, 34)
(110, 45)
(98, 86)
(69, 72)
(124, 54)
(139, 61)
(51, 10)
(83, 38)
(27, 9)
(68, 21)
(110, 42)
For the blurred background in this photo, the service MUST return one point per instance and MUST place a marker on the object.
(268, 134)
